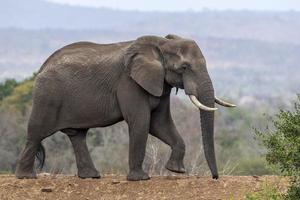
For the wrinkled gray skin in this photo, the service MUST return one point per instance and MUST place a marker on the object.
(86, 85)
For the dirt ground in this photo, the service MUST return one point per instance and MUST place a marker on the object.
(116, 187)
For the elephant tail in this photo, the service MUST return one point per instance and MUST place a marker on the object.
(40, 155)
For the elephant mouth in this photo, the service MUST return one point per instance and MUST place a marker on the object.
(179, 85)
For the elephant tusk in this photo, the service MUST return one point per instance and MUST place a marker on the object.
(223, 103)
(199, 105)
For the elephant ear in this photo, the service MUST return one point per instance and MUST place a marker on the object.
(173, 37)
(144, 63)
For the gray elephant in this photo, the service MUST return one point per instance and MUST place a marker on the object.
(86, 85)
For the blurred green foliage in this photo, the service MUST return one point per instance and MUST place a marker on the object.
(17, 95)
(7, 87)
(20, 96)
(255, 165)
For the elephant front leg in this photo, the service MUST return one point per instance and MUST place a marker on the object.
(135, 108)
(138, 134)
(162, 127)
(165, 130)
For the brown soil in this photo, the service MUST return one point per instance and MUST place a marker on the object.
(116, 187)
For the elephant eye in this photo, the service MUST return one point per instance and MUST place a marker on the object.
(181, 68)
(185, 66)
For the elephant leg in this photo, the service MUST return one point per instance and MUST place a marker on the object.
(36, 133)
(42, 124)
(138, 134)
(162, 127)
(85, 166)
(135, 108)
(25, 166)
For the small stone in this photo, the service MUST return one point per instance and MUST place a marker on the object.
(46, 190)
(115, 182)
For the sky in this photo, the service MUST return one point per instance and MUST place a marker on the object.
(183, 5)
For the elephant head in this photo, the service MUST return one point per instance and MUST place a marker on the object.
(178, 62)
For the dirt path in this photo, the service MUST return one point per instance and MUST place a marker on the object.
(116, 187)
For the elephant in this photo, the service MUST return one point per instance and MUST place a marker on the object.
(86, 85)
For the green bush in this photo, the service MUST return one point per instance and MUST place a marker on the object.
(283, 146)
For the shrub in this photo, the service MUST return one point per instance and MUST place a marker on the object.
(283, 146)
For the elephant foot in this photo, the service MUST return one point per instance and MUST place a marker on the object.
(89, 174)
(215, 176)
(137, 176)
(175, 166)
(25, 175)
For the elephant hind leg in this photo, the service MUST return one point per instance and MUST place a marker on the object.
(25, 166)
(33, 148)
(85, 165)
(42, 124)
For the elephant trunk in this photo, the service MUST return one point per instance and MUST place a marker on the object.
(201, 93)
(206, 96)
